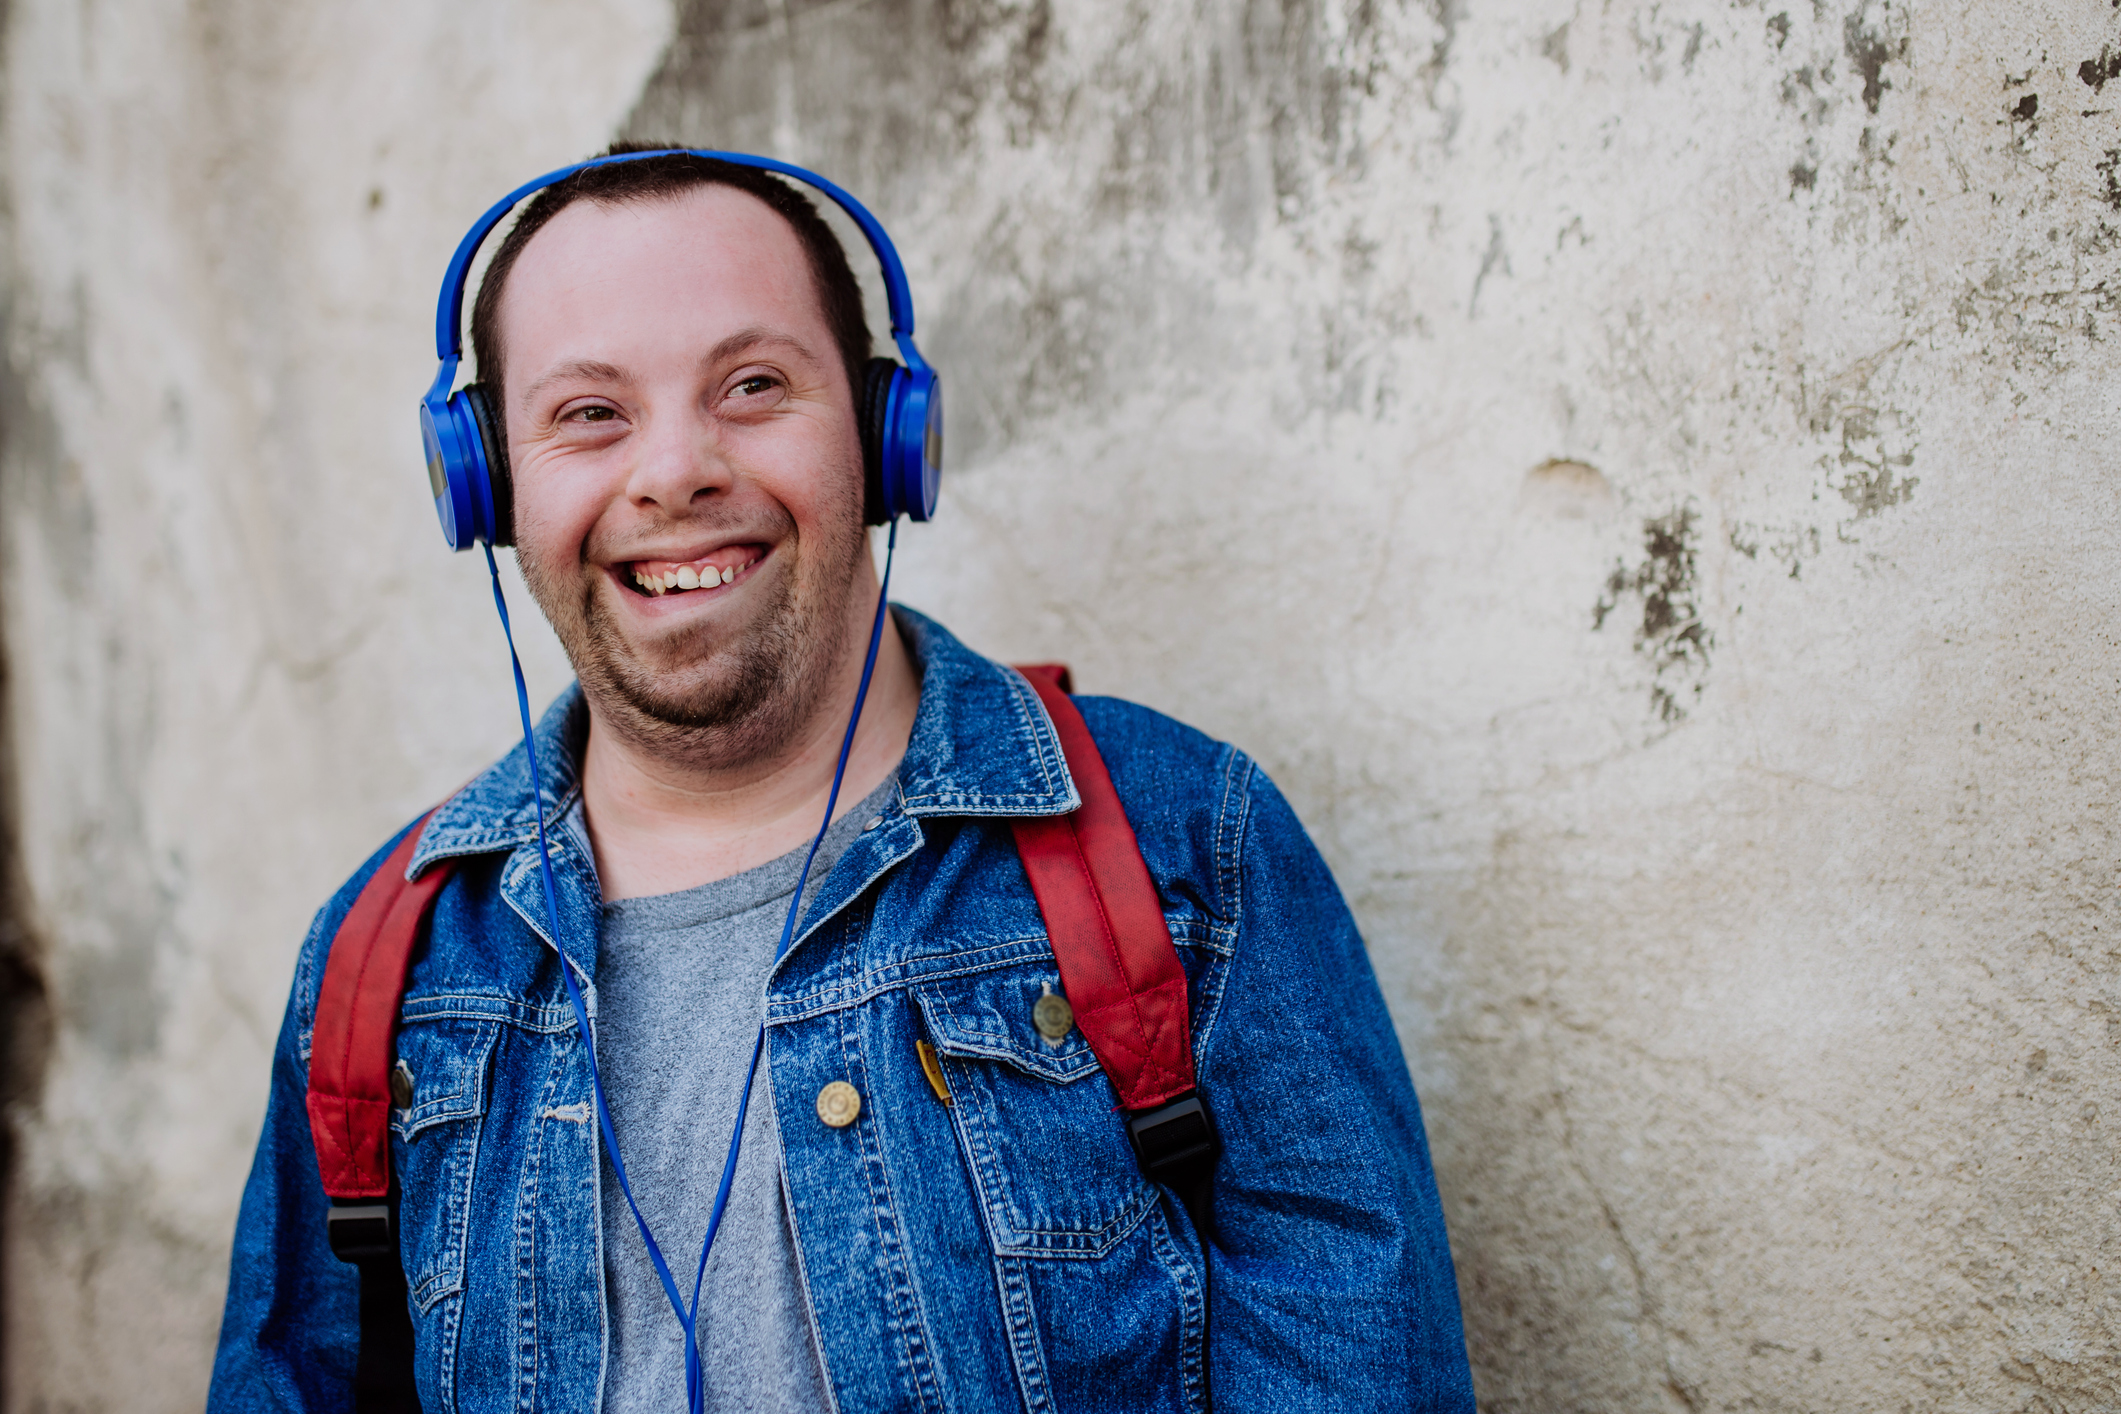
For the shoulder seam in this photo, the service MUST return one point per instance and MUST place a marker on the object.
(1230, 815)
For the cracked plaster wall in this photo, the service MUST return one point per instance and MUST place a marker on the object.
(1636, 476)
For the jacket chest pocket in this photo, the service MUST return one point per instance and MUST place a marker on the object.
(439, 1095)
(1042, 1134)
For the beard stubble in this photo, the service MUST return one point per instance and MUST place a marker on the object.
(716, 697)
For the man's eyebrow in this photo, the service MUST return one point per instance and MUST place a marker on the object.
(744, 339)
(587, 368)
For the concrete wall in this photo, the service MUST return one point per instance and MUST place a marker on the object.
(1635, 474)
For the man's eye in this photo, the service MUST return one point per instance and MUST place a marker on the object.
(594, 414)
(752, 387)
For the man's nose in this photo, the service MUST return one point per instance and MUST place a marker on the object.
(679, 463)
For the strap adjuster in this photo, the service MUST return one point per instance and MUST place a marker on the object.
(361, 1232)
(1176, 1143)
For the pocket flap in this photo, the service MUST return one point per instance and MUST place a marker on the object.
(988, 1016)
(449, 1060)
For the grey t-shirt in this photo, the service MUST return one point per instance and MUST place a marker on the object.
(680, 988)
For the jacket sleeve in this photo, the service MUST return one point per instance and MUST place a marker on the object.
(1332, 1283)
(290, 1328)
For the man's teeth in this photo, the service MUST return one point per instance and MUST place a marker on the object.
(688, 577)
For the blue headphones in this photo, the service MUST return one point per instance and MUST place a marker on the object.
(899, 407)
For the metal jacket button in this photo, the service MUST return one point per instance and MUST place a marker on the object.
(1053, 1016)
(838, 1104)
(401, 1086)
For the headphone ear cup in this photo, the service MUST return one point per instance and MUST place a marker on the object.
(913, 444)
(877, 379)
(500, 484)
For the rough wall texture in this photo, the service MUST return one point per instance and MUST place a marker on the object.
(1635, 474)
(237, 657)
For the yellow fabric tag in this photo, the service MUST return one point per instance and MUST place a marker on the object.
(932, 1067)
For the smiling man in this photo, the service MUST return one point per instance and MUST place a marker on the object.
(935, 1205)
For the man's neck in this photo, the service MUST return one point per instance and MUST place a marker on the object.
(660, 824)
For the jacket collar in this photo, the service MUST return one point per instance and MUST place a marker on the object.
(982, 744)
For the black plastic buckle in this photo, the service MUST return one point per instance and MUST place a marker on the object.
(1176, 1143)
(361, 1232)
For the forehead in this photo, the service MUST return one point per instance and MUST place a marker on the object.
(635, 280)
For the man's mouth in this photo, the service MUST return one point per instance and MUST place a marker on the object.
(655, 578)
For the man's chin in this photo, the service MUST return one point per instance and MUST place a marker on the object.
(682, 675)
(692, 697)
(719, 687)
(728, 693)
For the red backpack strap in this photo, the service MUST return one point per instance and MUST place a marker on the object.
(1036, 673)
(357, 1021)
(1117, 963)
(1121, 972)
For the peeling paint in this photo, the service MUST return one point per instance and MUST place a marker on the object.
(1874, 36)
(1670, 634)
(1872, 476)
(2101, 69)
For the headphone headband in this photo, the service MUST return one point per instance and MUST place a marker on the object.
(449, 314)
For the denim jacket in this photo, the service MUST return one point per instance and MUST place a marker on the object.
(1000, 1252)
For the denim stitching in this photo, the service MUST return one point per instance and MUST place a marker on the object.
(1012, 1278)
(528, 1191)
(1192, 1301)
(908, 1313)
(486, 1006)
(904, 973)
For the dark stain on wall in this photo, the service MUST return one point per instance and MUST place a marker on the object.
(2109, 170)
(1791, 544)
(1804, 89)
(1556, 46)
(1238, 130)
(25, 1003)
(1870, 446)
(1830, 58)
(1447, 14)
(1670, 633)
(108, 980)
(2101, 69)
(1871, 45)
(1872, 477)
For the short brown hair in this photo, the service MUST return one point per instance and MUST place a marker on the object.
(660, 178)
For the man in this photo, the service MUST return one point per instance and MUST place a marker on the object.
(935, 1206)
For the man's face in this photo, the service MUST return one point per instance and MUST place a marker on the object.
(688, 474)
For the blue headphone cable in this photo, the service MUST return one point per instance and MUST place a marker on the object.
(688, 1315)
